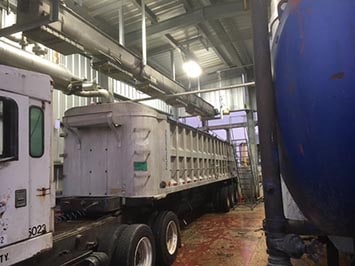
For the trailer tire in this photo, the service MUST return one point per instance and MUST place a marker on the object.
(109, 239)
(135, 243)
(231, 195)
(224, 199)
(215, 199)
(166, 231)
(235, 193)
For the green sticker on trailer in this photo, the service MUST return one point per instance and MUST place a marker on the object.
(140, 166)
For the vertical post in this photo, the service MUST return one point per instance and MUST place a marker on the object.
(252, 152)
(228, 133)
(175, 110)
(275, 221)
(173, 68)
(1, 18)
(198, 86)
(121, 23)
(251, 141)
(144, 35)
(219, 93)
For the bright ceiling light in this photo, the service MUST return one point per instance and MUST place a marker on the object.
(192, 69)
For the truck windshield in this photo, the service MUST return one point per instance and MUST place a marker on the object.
(8, 129)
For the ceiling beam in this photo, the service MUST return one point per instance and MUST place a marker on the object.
(171, 41)
(149, 13)
(237, 48)
(233, 54)
(98, 23)
(204, 31)
(240, 42)
(106, 8)
(168, 47)
(191, 18)
(245, 34)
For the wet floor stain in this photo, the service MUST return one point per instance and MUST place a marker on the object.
(229, 239)
(223, 239)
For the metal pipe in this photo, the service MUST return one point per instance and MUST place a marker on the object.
(62, 77)
(121, 24)
(198, 91)
(12, 56)
(144, 36)
(98, 44)
(93, 90)
(275, 221)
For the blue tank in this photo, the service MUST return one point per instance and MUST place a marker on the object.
(314, 74)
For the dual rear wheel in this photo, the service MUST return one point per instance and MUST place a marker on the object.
(166, 231)
(143, 245)
(225, 197)
(129, 245)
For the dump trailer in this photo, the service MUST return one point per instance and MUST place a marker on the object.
(130, 175)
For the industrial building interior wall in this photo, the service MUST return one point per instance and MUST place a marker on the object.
(81, 66)
(232, 100)
(226, 100)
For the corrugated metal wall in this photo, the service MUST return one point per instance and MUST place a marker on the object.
(233, 99)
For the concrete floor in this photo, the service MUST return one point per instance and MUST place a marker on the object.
(230, 239)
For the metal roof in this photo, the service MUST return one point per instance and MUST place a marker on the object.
(217, 33)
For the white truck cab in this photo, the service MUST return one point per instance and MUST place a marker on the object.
(26, 192)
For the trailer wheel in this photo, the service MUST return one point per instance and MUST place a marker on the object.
(215, 199)
(136, 246)
(231, 195)
(235, 193)
(167, 236)
(109, 239)
(224, 199)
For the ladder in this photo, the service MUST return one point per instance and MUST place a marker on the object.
(247, 178)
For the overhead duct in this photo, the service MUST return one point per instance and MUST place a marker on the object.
(71, 33)
(63, 79)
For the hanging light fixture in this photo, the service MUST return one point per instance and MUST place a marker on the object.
(192, 69)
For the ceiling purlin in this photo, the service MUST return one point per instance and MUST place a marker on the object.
(232, 52)
(149, 13)
(238, 33)
(204, 31)
(240, 41)
(168, 47)
(244, 34)
(192, 17)
(82, 11)
(219, 29)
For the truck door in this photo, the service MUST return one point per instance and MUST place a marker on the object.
(25, 168)
(39, 167)
(14, 168)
